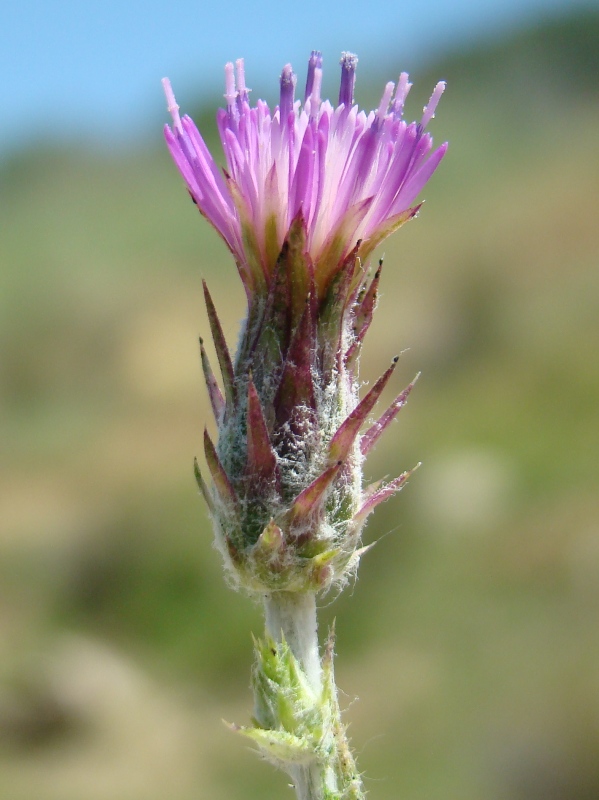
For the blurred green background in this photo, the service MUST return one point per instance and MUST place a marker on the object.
(471, 637)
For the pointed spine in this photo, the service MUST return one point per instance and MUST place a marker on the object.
(364, 314)
(269, 551)
(217, 401)
(296, 388)
(273, 327)
(299, 267)
(345, 436)
(306, 502)
(205, 491)
(261, 459)
(331, 315)
(382, 494)
(367, 305)
(271, 541)
(222, 483)
(222, 351)
(372, 435)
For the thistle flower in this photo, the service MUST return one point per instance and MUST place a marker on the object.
(308, 192)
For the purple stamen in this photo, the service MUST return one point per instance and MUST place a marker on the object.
(243, 91)
(315, 62)
(403, 88)
(288, 82)
(230, 93)
(348, 63)
(315, 98)
(385, 100)
(429, 110)
(171, 104)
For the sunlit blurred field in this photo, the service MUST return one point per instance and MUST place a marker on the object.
(472, 636)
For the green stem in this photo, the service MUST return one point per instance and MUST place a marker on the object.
(331, 773)
(309, 782)
(292, 615)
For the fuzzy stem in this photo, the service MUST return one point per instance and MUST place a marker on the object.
(309, 782)
(292, 615)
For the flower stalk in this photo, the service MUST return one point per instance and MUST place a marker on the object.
(291, 617)
(308, 192)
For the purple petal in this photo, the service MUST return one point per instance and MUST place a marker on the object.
(351, 174)
(417, 182)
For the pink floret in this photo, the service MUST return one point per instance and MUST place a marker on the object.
(346, 173)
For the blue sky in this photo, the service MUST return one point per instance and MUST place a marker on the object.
(92, 69)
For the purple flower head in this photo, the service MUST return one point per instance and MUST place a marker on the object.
(308, 191)
(347, 176)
